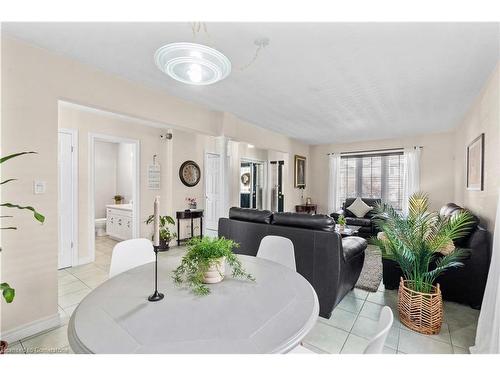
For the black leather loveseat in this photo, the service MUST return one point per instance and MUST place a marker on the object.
(464, 284)
(366, 223)
(331, 264)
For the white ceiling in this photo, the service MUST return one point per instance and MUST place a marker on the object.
(317, 82)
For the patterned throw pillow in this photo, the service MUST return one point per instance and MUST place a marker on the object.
(359, 208)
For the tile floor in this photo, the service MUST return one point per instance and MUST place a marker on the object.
(352, 323)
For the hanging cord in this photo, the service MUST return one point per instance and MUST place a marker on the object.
(261, 43)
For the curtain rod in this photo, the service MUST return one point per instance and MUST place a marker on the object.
(373, 151)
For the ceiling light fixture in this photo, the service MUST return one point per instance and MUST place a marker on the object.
(192, 63)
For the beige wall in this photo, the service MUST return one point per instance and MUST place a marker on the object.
(33, 81)
(436, 172)
(482, 117)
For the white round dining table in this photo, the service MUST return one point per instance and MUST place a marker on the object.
(269, 315)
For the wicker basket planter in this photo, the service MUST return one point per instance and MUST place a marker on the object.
(421, 312)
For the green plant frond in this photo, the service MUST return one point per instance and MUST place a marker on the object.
(38, 216)
(8, 293)
(5, 158)
(9, 180)
(418, 204)
(459, 225)
(452, 260)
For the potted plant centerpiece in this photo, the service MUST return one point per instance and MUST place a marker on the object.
(118, 199)
(204, 263)
(8, 293)
(422, 245)
(341, 222)
(191, 203)
(165, 234)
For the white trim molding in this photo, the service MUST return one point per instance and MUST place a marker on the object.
(32, 328)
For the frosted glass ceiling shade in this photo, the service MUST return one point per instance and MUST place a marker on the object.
(192, 63)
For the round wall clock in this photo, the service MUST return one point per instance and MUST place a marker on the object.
(190, 173)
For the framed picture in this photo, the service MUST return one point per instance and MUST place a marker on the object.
(475, 164)
(300, 171)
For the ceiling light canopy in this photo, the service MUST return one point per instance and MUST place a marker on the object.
(192, 63)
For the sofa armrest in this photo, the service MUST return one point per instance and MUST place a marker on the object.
(353, 246)
(336, 215)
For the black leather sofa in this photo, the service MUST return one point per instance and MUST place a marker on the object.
(331, 264)
(465, 284)
(366, 223)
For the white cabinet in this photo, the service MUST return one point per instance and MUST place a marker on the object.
(119, 223)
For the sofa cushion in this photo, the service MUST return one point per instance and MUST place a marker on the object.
(373, 202)
(359, 208)
(250, 214)
(359, 221)
(353, 246)
(318, 222)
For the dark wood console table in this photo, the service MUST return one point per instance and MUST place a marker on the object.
(188, 215)
(306, 208)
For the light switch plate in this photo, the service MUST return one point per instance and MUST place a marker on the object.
(39, 187)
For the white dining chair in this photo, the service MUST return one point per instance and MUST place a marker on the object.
(277, 249)
(376, 344)
(129, 254)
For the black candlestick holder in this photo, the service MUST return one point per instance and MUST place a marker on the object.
(156, 296)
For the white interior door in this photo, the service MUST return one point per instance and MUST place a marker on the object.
(66, 199)
(213, 198)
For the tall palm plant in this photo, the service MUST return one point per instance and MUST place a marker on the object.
(421, 239)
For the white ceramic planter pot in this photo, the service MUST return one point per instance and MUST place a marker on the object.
(215, 273)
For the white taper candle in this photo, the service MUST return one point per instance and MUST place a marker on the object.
(156, 233)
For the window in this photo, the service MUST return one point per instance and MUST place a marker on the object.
(378, 176)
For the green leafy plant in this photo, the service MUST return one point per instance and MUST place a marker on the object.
(165, 233)
(202, 253)
(421, 239)
(341, 220)
(8, 292)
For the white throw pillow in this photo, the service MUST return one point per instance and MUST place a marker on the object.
(359, 208)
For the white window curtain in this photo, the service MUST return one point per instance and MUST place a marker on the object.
(488, 326)
(411, 181)
(334, 203)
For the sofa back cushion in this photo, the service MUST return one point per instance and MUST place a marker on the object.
(369, 201)
(318, 222)
(250, 214)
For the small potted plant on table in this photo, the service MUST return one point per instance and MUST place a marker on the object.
(341, 222)
(204, 263)
(191, 203)
(422, 245)
(165, 234)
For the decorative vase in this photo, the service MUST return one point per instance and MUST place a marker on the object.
(341, 228)
(3, 346)
(215, 272)
(421, 312)
(192, 206)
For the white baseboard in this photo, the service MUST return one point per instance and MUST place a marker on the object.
(32, 328)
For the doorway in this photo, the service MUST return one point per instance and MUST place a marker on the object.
(68, 198)
(252, 184)
(113, 193)
(277, 196)
(213, 198)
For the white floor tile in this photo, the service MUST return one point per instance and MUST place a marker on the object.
(73, 298)
(354, 345)
(371, 310)
(350, 303)
(443, 335)
(459, 350)
(359, 293)
(15, 348)
(326, 338)
(54, 341)
(414, 343)
(463, 336)
(341, 319)
(73, 287)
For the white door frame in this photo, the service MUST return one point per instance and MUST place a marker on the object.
(93, 137)
(74, 203)
(220, 182)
